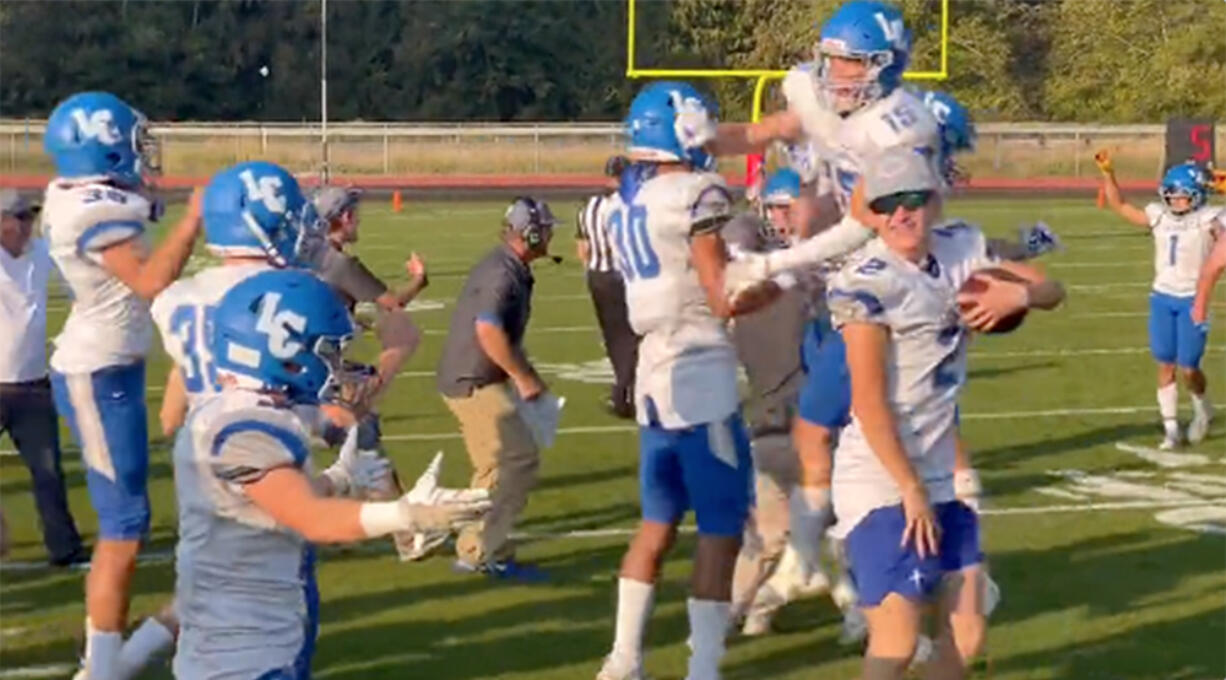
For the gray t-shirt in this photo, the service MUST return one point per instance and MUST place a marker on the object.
(498, 290)
(351, 280)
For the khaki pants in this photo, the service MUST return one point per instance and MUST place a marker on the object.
(505, 461)
(777, 470)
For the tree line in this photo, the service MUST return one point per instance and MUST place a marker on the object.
(1107, 61)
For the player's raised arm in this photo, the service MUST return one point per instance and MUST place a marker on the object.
(732, 139)
(1210, 272)
(1114, 199)
(149, 275)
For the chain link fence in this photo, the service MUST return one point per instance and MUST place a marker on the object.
(1005, 150)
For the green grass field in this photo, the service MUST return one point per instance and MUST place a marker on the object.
(1112, 562)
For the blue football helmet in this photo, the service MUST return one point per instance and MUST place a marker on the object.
(257, 209)
(96, 134)
(1186, 179)
(282, 331)
(956, 129)
(872, 33)
(781, 189)
(654, 130)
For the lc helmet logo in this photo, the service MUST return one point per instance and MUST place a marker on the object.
(99, 125)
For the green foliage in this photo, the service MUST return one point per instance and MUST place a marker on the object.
(1074, 60)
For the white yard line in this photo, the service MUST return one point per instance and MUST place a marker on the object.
(163, 556)
(1001, 415)
(50, 670)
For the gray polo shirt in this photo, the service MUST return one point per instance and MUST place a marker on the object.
(498, 290)
(351, 280)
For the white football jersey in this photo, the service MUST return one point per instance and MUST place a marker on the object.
(181, 313)
(687, 364)
(845, 143)
(108, 324)
(1181, 245)
(238, 573)
(925, 363)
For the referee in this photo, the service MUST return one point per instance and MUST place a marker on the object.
(609, 292)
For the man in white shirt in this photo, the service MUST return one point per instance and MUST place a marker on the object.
(27, 413)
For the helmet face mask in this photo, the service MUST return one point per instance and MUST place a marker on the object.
(861, 56)
(148, 149)
(849, 81)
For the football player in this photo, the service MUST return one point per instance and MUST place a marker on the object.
(665, 223)
(95, 213)
(844, 107)
(245, 487)
(255, 218)
(908, 539)
(1184, 229)
(768, 345)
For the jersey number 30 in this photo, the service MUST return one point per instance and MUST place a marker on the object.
(635, 257)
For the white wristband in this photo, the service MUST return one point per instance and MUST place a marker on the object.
(381, 519)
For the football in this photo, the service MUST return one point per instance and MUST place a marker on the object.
(976, 285)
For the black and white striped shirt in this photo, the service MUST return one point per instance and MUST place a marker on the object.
(593, 228)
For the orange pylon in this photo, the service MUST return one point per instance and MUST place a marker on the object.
(397, 201)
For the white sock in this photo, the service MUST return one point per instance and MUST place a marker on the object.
(1201, 405)
(634, 600)
(708, 626)
(150, 639)
(102, 652)
(809, 514)
(1168, 406)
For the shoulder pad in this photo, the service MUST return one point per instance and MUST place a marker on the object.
(102, 216)
(711, 202)
(743, 231)
(246, 443)
(1154, 212)
(177, 293)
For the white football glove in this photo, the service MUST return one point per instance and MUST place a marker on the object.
(434, 508)
(357, 473)
(692, 124)
(967, 488)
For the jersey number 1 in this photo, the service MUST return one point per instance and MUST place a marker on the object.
(635, 257)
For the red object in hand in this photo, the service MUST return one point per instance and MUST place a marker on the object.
(975, 285)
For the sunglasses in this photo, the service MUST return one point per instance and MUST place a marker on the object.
(907, 200)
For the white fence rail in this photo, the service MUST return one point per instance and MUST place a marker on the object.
(1005, 149)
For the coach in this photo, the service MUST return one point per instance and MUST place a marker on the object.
(482, 374)
(27, 411)
(608, 292)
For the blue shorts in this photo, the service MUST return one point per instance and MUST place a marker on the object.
(106, 413)
(1173, 337)
(704, 467)
(880, 566)
(825, 398)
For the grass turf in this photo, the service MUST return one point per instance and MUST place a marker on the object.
(1112, 565)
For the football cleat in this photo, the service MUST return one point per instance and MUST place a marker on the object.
(765, 603)
(1171, 441)
(611, 670)
(1199, 427)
